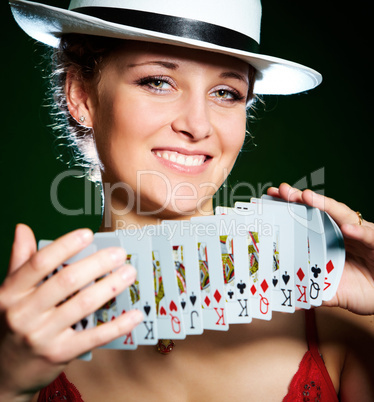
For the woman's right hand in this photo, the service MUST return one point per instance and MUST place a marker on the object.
(36, 336)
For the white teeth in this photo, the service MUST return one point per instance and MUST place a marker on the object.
(173, 158)
(189, 161)
(181, 160)
(184, 160)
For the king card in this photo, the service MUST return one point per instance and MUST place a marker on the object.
(234, 261)
(119, 304)
(283, 294)
(259, 248)
(87, 322)
(211, 275)
(298, 212)
(139, 254)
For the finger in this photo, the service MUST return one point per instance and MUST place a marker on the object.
(70, 280)
(289, 193)
(340, 212)
(43, 262)
(89, 300)
(363, 234)
(77, 343)
(24, 246)
(273, 192)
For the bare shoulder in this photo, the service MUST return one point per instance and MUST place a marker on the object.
(347, 344)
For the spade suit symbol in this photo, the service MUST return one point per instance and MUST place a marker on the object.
(193, 299)
(275, 281)
(147, 309)
(286, 278)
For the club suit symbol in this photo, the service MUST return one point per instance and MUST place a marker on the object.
(316, 271)
(241, 286)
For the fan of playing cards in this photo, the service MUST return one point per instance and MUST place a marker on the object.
(209, 272)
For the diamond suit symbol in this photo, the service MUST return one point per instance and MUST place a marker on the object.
(300, 274)
(217, 296)
(329, 266)
(264, 286)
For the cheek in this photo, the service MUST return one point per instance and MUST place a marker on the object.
(233, 135)
(116, 127)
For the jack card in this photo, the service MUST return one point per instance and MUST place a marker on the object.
(186, 261)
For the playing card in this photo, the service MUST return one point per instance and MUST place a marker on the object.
(168, 307)
(223, 210)
(298, 212)
(86, 322)
(138, 247)
(186, 262)
(283, 281)
(119, 304)
(211, 275)
(259, 236)
(317, 256)
(335, 256)
(316, 252)
(234, 253)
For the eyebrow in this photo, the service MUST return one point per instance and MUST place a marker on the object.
(166, 64)
(175, 66)
(233, 74)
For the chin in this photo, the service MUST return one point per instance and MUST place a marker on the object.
(176, 209)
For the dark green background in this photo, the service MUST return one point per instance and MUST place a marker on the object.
(330, 128)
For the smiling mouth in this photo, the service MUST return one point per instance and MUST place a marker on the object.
(181, 159)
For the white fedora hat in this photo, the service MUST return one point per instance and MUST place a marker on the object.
(223, 26)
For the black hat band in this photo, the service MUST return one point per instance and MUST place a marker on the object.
(176, 26)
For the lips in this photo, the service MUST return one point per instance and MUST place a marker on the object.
(183, 158)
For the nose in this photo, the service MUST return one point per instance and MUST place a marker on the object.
(193, 119)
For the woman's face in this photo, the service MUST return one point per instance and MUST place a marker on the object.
(168, 122)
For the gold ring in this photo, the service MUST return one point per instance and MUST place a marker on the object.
(360, 218)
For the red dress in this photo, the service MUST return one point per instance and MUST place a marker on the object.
(311, 382)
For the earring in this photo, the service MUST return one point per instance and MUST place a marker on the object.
(82, 119)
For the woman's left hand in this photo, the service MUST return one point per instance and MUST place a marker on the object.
(356, 289)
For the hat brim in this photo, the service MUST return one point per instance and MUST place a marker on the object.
(46, 24)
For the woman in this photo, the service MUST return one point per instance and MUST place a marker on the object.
(182, 103)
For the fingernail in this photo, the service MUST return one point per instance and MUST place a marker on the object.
(118, 255)
(85, 235)
(127, 272)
